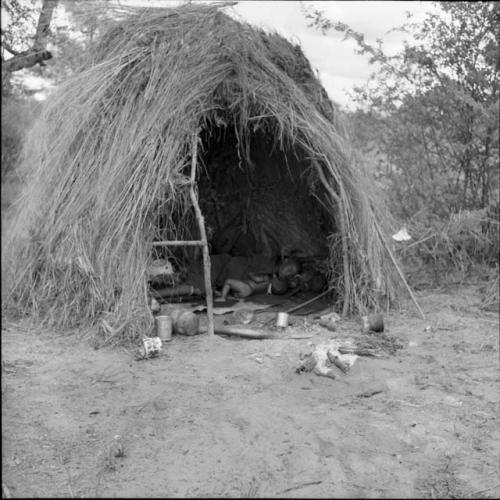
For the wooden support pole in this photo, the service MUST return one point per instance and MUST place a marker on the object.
(203, 234)
(340, 206)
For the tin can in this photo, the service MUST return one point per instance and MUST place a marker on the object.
(151, 346)
(164, 327)
(373, 323)
(282, 320)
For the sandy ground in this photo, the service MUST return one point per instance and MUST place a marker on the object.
(222, 417)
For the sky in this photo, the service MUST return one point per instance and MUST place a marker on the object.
(339, 67)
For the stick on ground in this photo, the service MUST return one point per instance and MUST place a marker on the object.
(300, 306)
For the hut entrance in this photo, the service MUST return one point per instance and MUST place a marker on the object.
(262, 218)
(261, 202)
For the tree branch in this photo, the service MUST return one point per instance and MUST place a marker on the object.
(26, 59)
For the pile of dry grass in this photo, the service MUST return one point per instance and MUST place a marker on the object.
(111, 151)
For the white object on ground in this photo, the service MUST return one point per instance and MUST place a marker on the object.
(401, 235)
(151, 346)
(320, 355)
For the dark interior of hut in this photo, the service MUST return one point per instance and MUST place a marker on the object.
(263, 211)
(261, 203)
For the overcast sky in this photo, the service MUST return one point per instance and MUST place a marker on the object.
(340, 68)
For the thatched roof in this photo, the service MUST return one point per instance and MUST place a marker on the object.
(112, 149)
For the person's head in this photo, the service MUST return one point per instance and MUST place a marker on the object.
(278, 286)
(288, 267)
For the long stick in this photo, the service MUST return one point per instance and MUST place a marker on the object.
(398, 269)
(203, 234)
(240, 331)
(310, 300)
(298, 486)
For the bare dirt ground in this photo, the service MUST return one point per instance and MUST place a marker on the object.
(219, 417)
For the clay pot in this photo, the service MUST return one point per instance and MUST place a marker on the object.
(185, 322)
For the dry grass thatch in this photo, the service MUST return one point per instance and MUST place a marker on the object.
(112, 149)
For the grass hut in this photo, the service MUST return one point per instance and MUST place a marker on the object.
(107, 168)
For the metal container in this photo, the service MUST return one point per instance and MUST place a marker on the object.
(164, 327)
(282, 320)
(151, 346)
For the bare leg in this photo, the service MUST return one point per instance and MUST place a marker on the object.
(241, 289)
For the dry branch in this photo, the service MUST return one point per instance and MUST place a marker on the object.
(307, 302)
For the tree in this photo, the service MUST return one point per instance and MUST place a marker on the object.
(434, 106)
(31, 38)
(37, 52)
(34, 34)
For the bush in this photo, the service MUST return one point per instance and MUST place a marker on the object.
(462, 243)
